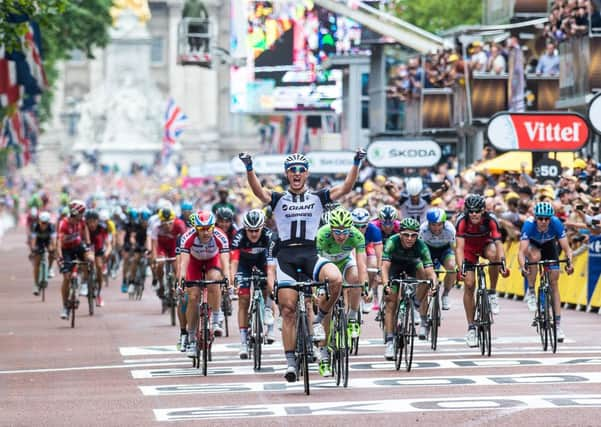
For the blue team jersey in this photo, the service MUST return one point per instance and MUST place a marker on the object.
(555, 230)
(373, 234)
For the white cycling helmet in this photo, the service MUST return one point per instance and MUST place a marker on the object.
(103, 215)
(44, 216)
(414, 186)
(360, 216)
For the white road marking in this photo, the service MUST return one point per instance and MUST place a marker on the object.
(379, 407)
(489, 380)
(214, 370)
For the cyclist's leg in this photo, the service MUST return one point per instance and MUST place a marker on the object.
(37, 258)
(469, 282)
(214, 296)
(491, 254)
(244, 293)
(326, 270)
(135, 259)
(125, 263)
(450, 265)
(421, 294)
(533, 254)
(99, 262)
(66, 267)
(287, 301)
(351, 276)
(550, 251)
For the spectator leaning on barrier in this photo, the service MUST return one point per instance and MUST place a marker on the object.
(496, 62)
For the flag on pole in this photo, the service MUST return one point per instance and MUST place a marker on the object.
(174, 123)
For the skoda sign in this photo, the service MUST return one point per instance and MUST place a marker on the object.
(594, 113)
(403, 153)
(544, 131)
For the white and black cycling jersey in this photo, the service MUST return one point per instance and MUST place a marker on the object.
(445, 238)
(417, 211)
(297, 215)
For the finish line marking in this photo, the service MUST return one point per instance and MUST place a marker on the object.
(369, 367)
(224, 388)
(380, 407)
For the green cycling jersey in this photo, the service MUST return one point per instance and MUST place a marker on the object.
(396, 253)
(330, 249)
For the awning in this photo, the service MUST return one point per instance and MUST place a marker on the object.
(512, 161)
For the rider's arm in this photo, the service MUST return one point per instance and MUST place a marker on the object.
(385, 271)
(378, 247)
(459, 252)
(343, 189)
(154, 244)
(522, 253)
(565, 247)
(183, 266)
(263, 194)
(233, 266)
(224, 258)
(361, 258)
(109, 246)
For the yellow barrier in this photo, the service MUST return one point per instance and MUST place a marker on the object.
(596, 297)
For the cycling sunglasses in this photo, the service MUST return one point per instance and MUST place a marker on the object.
(543, 218)
(253, 230)
(339, 232)
(205, 228)
(474, 212)
(297, 169)
(409, 235)
(360, 225)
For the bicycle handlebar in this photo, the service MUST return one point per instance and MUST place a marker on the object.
(203, 283)
(485, 264)
(547, 262)
(165, 259)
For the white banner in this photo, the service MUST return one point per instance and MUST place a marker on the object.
(403, 153)
(594, 113)
(320, 162)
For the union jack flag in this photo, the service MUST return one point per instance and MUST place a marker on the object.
(174, 123)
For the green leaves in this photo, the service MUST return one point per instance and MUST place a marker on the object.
(438, 15)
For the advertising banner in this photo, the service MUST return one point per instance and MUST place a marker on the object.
(594, 113)
(403, 153)
(546, 131)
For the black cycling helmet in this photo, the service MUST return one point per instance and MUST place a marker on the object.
(91, 215)
(474, 202)
(224, 214)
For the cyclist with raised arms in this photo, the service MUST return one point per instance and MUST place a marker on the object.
(538, 241)
(250, 249)
(404, 254)
(43, 237)
(336, 242)
(297, 212)
(73, 243)
(206, 251)
(439, 236)
(373, 249)
(478, 235)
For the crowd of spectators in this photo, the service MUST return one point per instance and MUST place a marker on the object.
(571, 18)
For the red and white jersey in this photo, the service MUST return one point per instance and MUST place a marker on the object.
(71, 235)
(167, 237)
(205, 251)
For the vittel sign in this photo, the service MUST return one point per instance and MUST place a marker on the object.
(594, 113)
(403, 153)
(544, 131)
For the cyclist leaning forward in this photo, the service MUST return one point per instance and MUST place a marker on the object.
(251, 248)
(43, 237)
(101, 244)
(297, 212)
(439, 236)
(205, 255)
(73, 243)
(538, 241)
(404, 254)
(336, 242)
(478, 235)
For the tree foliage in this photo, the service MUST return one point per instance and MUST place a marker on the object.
(65, 25)
(438, 15)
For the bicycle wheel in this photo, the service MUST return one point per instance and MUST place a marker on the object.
(484, 326)
(542, 319)
(409, 335)
(304, 343)
(43, 279)
(258, 338)
(205, 339)
(435, 322)
(381, 318)
(355, 341)
(552, 326)
(343, 349)
(73, 301)
(226, 308)
(91, 291)
(334, 346)
(399, 337)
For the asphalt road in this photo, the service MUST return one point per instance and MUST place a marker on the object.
(120, 367)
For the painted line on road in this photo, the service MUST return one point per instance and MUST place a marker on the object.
(472, 380)
(370, 367)
(279, 355)
(373, 342)
(470, 403)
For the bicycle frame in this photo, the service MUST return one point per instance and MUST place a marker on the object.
(256, 316)
(169, 301)
(43, 274)
(483, 318)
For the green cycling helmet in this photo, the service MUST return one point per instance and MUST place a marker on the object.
(409, 224)
(340, 218)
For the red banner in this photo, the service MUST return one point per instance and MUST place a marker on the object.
(538, 131)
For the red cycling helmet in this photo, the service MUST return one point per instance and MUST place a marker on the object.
(202, 219)
(77, 207)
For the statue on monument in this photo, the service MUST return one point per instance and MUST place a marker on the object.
(139, 7)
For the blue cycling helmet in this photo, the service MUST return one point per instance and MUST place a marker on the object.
(133, 214)
(436, 215)
(186, 206)
(145, 214)
(544, 209)
(360, 216)
(388, 213)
